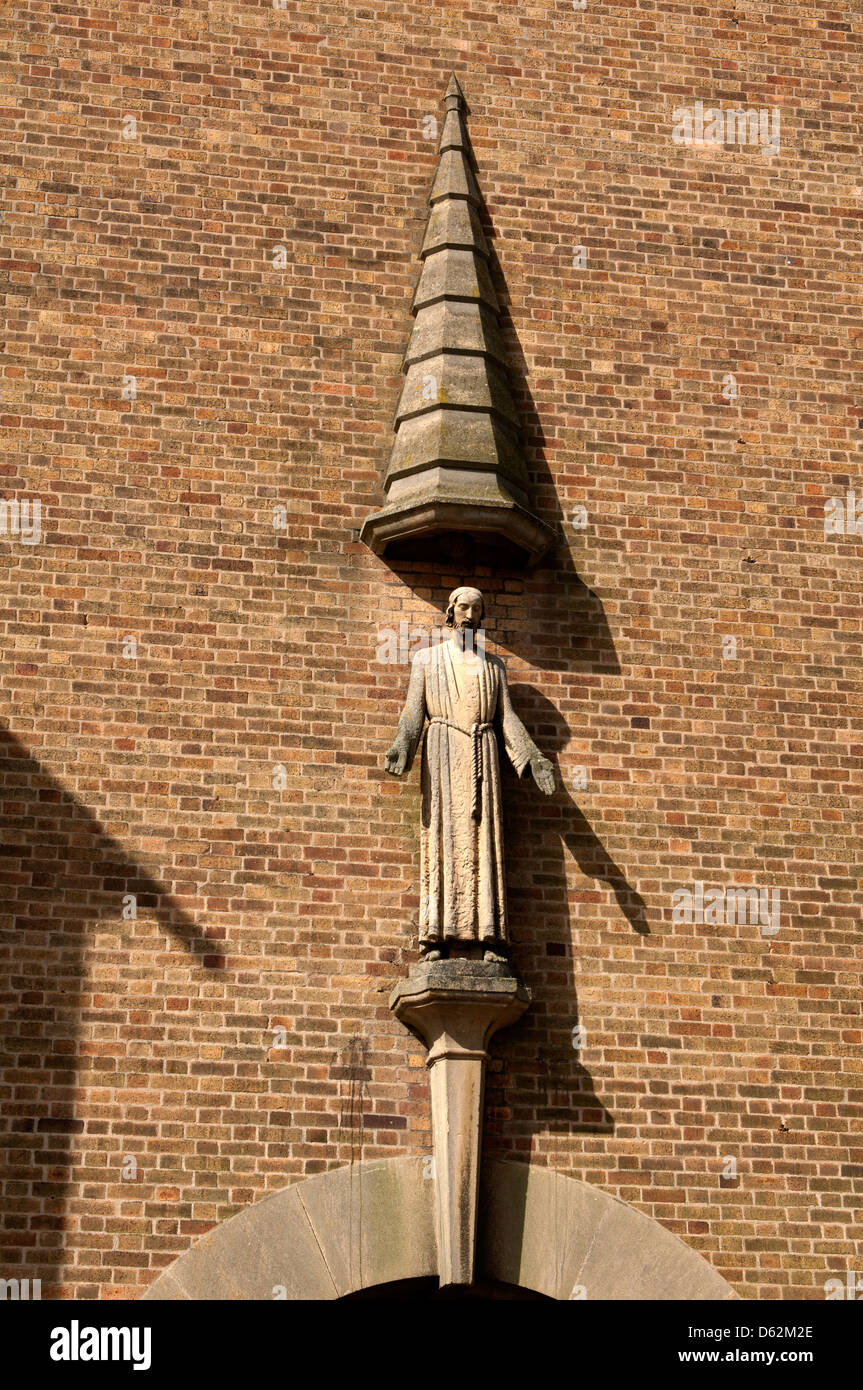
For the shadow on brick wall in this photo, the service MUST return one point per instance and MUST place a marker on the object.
(570, 632)
(537, 1083)
(62, 878)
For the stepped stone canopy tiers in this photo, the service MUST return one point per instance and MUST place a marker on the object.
(457, 465)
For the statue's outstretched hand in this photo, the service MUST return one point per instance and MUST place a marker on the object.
(396, 759)
(543, 774)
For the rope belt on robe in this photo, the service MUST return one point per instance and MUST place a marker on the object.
(474, 733)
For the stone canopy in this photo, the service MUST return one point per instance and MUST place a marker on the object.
(457, 463)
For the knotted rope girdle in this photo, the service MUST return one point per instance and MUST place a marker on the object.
(474, 733)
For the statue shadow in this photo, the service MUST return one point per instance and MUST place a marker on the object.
(62, 877)
(538, 1082)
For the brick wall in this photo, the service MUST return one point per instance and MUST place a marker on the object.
(691, 378)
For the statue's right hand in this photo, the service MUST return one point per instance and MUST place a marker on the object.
(396, 759)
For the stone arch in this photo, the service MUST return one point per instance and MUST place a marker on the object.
(372, 1224)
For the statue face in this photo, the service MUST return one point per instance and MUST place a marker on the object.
(467, 614)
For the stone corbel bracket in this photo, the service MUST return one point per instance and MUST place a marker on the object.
(455, 1007)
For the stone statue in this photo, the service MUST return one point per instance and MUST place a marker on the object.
(464, 695)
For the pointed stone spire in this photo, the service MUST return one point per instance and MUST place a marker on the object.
(457, 464)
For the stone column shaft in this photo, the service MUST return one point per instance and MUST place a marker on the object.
(455, 1007)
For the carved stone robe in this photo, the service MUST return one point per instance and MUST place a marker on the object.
(466, 701)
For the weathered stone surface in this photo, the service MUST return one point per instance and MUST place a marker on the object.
(454, 223)
(455, 179)
(463, 693)
(373, 1223)
(271, 1246)
(467, 418)
(202, 1275)
(632, 1259)
(567, 1239)
(165, 1288)
(418, 514)
(452, 136)
(454, 327)
(455, 275)
(456, 1006)
(450, 381)
(446, 482)
(430, 1000)
(553, 1219)
(464, 438)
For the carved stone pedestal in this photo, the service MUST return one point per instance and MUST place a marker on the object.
(455, 1006)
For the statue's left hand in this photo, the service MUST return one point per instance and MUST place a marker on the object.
(396, 758)
(543, 774)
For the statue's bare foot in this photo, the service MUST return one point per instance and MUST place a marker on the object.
(429, 952)
(493, 956)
